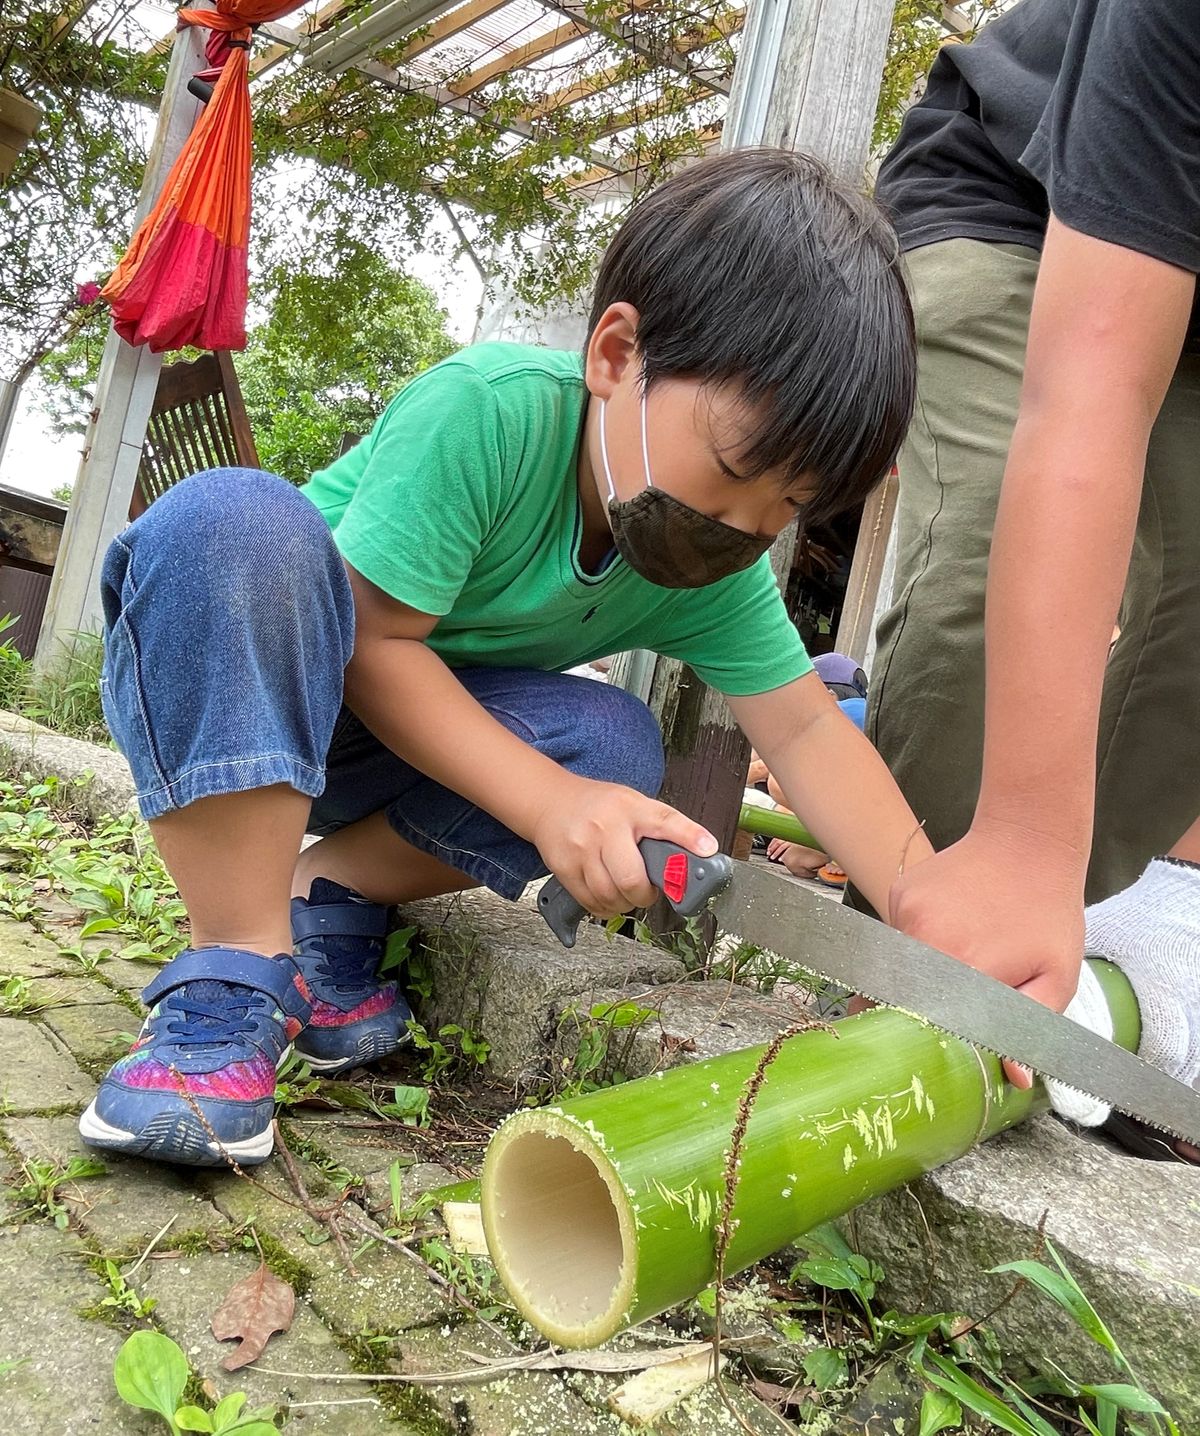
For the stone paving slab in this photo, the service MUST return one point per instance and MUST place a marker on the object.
(26, 953)
(65, 1386)
(525, 1403)
(391, 1293)
(94, 1032)
(123, 1210)
(190, 1288)
(37, 1071)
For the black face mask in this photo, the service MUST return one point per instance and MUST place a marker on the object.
(666, 541)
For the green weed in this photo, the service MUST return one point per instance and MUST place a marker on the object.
(152, 1374)
(961, 1362)
(38, 1195)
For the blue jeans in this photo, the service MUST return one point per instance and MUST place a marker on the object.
(229, 621)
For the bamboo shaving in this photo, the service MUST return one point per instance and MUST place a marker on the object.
(641, 1401)
(464, 1228)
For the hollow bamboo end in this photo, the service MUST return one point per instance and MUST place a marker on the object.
(560, 1228)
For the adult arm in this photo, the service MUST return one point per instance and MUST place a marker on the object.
(1105, 335)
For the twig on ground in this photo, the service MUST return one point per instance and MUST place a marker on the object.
(154, 1241)
(326, 1216)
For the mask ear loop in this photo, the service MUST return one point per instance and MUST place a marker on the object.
(612, 491)
(645, 439)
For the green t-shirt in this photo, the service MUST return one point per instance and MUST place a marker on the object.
(463, 502)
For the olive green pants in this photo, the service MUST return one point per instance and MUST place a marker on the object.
(972, 303)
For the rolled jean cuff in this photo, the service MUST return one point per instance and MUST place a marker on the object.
(230, 775)
(486, 870)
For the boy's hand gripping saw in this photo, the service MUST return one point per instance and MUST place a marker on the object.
(688, 883)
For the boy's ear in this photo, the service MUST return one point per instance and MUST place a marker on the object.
(611, 349)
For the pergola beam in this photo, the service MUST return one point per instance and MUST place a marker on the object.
(449, 26)
(518, 58)
(387, 23)
(648, 110)
(467, 105)
(624, 31)
(590, 85)
(314, 25)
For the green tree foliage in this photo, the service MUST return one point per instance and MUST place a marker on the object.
(343, 336)
(68, 205)
(340, 343)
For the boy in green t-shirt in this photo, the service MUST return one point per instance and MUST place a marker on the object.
(377, 658)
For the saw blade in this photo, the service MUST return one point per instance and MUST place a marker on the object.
(824, 937)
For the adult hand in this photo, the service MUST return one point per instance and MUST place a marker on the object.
(588, 836)
(1007, 902)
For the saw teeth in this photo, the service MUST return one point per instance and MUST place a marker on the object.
(1008, 1057)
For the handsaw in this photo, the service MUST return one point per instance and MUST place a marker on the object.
(834, 942)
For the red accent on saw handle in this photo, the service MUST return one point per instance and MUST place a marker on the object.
(687, 881)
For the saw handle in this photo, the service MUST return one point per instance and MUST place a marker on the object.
(687, 881)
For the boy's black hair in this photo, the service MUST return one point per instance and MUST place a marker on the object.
(759, 268)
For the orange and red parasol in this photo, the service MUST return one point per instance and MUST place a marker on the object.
(183, 279)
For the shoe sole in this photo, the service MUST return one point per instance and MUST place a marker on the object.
(175, 1137)
(178, 1137)
(371, 1047)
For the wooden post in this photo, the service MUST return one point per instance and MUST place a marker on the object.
(868, 571)
(124, 393)
(807, 78)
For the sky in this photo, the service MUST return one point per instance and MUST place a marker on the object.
(39, 462)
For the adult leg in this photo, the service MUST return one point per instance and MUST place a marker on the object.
(925, 714)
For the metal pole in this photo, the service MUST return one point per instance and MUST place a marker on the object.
(10, 399)
(124, 394)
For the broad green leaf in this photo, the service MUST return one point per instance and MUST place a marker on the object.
(255, 1428)
(826, 1367)
(192, 1418)
(151, 1372)
(228, 1409)
(830, 1272)
(98, 924)
(973, 1396)
(826, 1240)
(1126, 1398)
(409, 1104)
(939, 1412)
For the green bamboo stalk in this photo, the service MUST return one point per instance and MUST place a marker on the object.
(774, 824)
(602, 1211)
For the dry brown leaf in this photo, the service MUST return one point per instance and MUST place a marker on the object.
(780, 1397)
(255, 1309)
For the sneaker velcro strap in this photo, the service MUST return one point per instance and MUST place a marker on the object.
(274, 976)
(340, 919)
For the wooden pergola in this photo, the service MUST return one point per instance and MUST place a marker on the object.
(807, 76)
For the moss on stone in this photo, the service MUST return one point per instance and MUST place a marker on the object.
(407, 1404)
(285, 1266)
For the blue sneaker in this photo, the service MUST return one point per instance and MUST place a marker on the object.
(220, 1022)
(356, 1017)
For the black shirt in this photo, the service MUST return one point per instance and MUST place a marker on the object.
(1087, 107)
